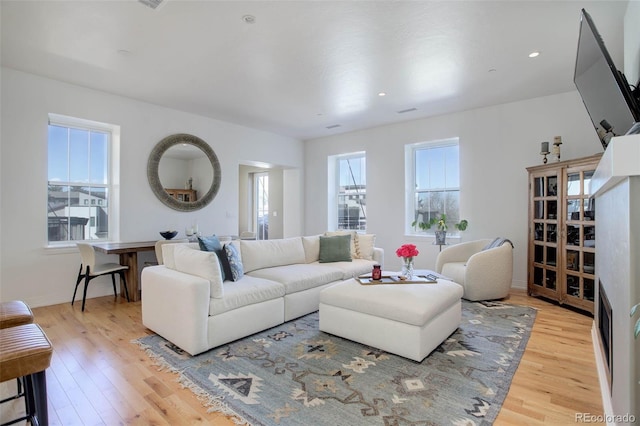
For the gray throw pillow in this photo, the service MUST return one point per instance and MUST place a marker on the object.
(237, 269)
(335, 249)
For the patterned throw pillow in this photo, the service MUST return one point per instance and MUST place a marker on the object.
(213, 244)
(235, 264)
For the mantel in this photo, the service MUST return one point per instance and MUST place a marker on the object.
(620, 160)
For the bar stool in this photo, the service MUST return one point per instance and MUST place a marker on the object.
(25, 351)
(12, 314)
(15, 313)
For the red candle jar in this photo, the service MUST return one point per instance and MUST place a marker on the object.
(376, 273)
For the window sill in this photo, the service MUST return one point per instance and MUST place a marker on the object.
(60, 249)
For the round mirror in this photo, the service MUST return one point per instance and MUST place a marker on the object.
(184, 172)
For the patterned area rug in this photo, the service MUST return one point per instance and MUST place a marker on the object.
(295, 374)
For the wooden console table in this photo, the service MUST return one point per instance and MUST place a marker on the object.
(128, 256)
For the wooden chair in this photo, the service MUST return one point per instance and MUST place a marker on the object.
(90, 270)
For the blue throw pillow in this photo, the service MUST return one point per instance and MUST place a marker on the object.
(235, 264)
(213, 244)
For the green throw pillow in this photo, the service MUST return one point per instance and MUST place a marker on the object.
(335, 249)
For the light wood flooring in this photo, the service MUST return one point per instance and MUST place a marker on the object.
(97, 377)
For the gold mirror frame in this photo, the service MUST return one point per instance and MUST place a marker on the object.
(154, 177)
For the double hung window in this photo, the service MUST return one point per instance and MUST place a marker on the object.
(433, 183)
(79, 181)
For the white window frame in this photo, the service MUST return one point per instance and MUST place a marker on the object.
(411, 194)
(113, 171)
(334, 188)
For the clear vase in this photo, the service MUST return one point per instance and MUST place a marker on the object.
(407, 268)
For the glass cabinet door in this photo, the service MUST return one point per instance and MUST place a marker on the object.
(579, 239)
(545, 231)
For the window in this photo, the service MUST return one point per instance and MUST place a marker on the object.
(433, 183)
(78, 179)
(351, 191)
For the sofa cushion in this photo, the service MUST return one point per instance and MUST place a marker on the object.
(258, 254)
(236, 267)
(353, 268)
(203, 264)
(248, 291)
(167, 253)
(311, 248)
(301, 276)
(335, 249)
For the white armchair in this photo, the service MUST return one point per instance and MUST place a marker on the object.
(485, 274)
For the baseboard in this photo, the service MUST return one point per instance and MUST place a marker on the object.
(607, 404)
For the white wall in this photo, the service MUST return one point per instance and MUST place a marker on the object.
(496, 145)
(632, 42)
(43, 276)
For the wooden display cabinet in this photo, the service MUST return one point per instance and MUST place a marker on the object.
(562, 249)
(187, 195)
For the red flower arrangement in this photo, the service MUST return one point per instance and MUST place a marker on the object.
(407, 251)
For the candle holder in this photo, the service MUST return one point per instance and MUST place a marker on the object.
(557, 141)
(544, 151)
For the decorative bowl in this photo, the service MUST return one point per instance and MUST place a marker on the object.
(167, 235)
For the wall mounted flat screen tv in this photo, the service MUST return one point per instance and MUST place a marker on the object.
(610, 102)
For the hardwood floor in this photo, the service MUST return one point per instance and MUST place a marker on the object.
(97, 377)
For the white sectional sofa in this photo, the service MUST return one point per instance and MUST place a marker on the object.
(185, 300)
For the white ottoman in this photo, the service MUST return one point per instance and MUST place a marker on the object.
(409, 320)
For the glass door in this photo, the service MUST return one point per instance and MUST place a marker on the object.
(261, 194)
(580, 243)
(545, 230)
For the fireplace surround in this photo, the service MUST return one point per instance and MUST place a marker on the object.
(616, 188)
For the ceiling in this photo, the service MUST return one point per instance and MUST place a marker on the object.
(303, 67)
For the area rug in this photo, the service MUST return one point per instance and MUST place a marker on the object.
(294, 374)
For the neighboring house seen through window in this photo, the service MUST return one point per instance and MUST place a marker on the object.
(351, 191)
(78, 179)
(433, 182)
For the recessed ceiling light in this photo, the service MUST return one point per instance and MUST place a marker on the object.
(382, 94)
(534, 54)
(249, 19)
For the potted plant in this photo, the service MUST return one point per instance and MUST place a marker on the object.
(441, 222)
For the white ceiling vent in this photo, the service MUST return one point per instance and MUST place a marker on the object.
(153, 4)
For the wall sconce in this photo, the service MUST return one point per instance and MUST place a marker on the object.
(544, 150)
(557, 141)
